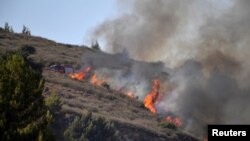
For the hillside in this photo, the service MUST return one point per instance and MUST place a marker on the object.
(132, 119)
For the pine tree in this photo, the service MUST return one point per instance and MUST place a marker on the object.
(53, 103)
(96, 46)
(11, 30)
(23, 115)
(88, 128)
(6, 27)
(26, 31)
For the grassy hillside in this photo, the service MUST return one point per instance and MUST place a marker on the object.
(132, 119)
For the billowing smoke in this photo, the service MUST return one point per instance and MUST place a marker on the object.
(202, 98)
(206, 45)
(125, 74)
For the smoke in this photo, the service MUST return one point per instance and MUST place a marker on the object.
(125, 74)
(206, 45)
(160, 30)
(201, 99)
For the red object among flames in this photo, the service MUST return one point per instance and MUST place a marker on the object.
(176, 121)
(151, 98)
(80, 75)
(95, 81)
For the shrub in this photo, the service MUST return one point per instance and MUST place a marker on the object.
(27, 50)
(168, 125)
(53, 103)
(87, 128)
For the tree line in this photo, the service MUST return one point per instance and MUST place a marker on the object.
(8, 28)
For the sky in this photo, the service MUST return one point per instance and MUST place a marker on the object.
(63, 21)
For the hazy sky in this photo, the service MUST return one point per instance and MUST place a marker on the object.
(60, 20)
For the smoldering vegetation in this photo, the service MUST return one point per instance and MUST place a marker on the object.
(202, 49)
(125, 74)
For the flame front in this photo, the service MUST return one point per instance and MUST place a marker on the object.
(176, 121)
(80, 75)
(95, 81)
(149, 101)
(151, 98)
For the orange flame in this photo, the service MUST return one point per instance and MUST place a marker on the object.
(130, 95)
(95, 81)
(80, 75)
(151, 98)
(176, 121)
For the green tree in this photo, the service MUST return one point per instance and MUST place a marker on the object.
(11, 30)
(53, 103)
(87, 128)
(26, 31)
(96, 46)
(23, 114)
(6, 27)
(168, 125)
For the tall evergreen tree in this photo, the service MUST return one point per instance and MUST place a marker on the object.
(96, 46)
(6, 27)
(26, 31)
(23, 115)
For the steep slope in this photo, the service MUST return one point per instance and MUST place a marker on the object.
(133, 120)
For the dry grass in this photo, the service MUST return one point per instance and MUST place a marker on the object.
(129, 116)
(132, 119)
(47, 51)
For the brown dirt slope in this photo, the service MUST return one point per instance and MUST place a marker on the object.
(134, 122)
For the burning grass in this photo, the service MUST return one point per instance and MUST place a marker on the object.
(77, 96)
(149, 102)
(152, 97)
(80, 75)
(176, 121)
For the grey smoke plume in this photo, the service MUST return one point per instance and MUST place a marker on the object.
(200, 100)
(205, 42)
(125, 74)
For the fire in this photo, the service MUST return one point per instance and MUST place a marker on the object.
(176, 121)
(130, 94)
(95, 81)
(151, 98)
(80, 75)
